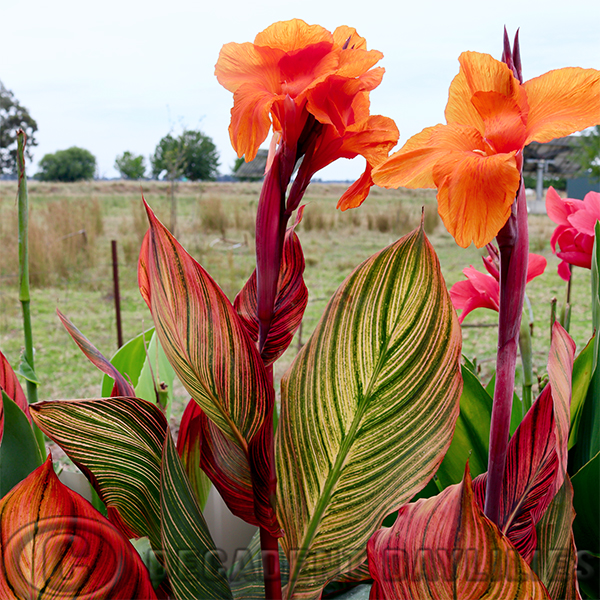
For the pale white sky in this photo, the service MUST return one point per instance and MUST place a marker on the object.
(118, 75)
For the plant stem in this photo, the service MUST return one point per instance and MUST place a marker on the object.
(513, 242)
(24, 296)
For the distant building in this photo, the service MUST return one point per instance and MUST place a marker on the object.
(253, 170)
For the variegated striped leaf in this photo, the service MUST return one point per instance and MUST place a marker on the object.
(445, 547)
(11, 386)
(534, 471)
(368, 410)
(117, 443)
(193, 565)
(290, 301)
(54, 545)
(189, 448)
(556, 556)
(121, 386)
(212, 354)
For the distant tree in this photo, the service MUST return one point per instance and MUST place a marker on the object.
(588, 153)
(72, 164)
(239, 161)
(130, 166)
(192, 155)
(13, 116)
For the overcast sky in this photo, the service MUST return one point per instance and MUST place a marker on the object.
(118, 75)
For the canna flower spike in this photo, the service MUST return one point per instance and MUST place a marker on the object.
(475, 159)
(312, 88)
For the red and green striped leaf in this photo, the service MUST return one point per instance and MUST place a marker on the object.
(121, 386)
(213, 356)
(368, 410)
(11, 386)
(556, 556)
(537, 452)
(191, 559)
(189, 448)
(117, 443)
(445, 547)
(290, 301)
(53, 544)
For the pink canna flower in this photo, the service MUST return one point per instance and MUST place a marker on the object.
(574, 235)
(482, 290)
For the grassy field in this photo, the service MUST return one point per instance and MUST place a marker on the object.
(72, 226)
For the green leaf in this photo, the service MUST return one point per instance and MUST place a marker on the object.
(128, 360)
(582, 375)
(117, 443)
(194, 567)
(471, 435)
(27, 371)
(156, 374)
(368, 410)
(19, 451)
(586, 488)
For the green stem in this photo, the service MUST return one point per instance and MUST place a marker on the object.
(24, 296)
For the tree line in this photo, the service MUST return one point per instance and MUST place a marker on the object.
(192, 154)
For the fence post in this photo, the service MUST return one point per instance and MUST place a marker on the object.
(115, 265)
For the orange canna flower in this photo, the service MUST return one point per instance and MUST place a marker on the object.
(475, 159)
(312, 87)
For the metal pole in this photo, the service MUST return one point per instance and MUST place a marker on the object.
(115, 264)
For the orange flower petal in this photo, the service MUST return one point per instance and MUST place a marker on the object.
(562, 102)
(373, 139)
(503, 121)
(475, 194)
(250, 122)
(239, 64)
(345, 36)
(356, 194)
(479, 73)
(292, 35)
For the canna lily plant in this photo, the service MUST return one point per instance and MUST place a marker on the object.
(375, 409)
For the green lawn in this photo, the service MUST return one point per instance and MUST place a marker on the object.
(215, 223)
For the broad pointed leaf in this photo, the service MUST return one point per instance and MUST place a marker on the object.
(586, 486)
(117, 443)
(121, 387)
(213, 356)
(290, 301)
(53, 544)
(189, 448)
(368, 410)
(556, 555)
(156, 377)
(537, 452)
(19, 450)
(582, 375)
(471, 435)
(128, 360)
(194, 567)
(445, 547)
(10, 384)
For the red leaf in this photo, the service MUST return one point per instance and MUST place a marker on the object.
(53, 544)
(216, 361)
(290, 301)
(122, 387)
(11, 386)
(445, 547)
(537, 453)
